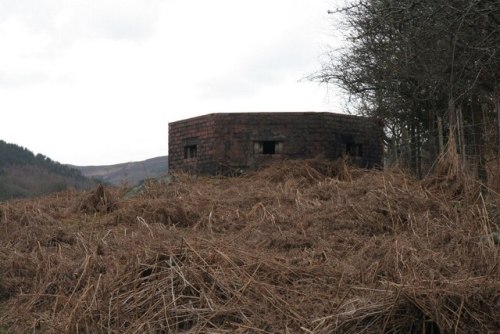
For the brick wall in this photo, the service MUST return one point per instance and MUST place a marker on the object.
(344, 129)
(226, 142)
(198, 131)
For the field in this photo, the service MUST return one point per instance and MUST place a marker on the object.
(301, 247)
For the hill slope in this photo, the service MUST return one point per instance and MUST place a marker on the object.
(22, 174)
(301, 247)
(127, 173)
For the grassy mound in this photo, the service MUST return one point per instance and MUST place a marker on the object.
(302, 247)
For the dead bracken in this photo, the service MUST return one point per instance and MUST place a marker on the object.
(298, 247)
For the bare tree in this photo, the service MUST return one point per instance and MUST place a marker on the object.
(420, 65)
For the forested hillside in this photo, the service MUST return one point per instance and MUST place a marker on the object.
(24, 174)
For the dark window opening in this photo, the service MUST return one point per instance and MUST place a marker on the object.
(354, 150)
(267, 147)
(190, 151)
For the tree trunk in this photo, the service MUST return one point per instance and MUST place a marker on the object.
(413, 149)
(440, 134)
(497, 177)
(479, 130)
(405, 155)
(452, 116)
(461, 134)
(418, 154)
(497, 107)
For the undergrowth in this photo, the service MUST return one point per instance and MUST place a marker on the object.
(303, 246)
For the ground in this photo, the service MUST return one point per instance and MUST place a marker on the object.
(300, 247)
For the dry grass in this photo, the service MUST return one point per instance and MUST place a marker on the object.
(302, 247)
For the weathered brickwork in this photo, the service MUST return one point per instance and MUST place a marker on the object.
(219, 143)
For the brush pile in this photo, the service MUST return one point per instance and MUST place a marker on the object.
(301, 247)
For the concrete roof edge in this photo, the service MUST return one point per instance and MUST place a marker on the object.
(242, 114)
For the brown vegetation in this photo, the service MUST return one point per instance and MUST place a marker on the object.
(293, 248)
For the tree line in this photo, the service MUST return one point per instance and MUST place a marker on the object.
(430, 69)
(14, 155)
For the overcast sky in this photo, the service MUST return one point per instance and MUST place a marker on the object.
(92, 82)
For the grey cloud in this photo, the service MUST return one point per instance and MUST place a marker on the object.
(63, 22)
(129, 21)
(10, 80)
(35, 14)
(67, 21)
(292, 56)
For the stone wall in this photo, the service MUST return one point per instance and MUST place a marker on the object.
(240, 141)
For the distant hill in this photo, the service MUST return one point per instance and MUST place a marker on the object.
(24, 174)
(129, 173)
